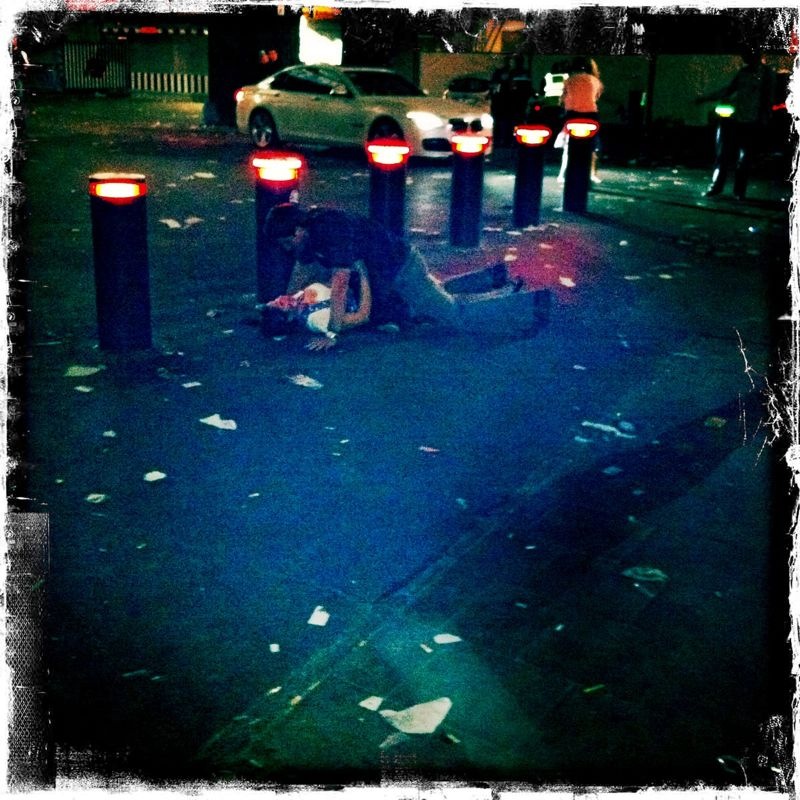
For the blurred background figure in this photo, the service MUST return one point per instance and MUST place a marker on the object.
(741, 130)
(508, 85)
(582, 90)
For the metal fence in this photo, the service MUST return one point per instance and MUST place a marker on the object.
(169, 83)
(99, 66)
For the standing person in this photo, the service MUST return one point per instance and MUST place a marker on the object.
(500, 100)
(374, 276)
(582, 90)
(752, 91)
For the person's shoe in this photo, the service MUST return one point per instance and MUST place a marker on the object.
(595, 179)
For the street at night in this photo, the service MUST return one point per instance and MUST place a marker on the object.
(554, 556)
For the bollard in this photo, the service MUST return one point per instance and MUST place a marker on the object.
(387, 185)
(579, 162)
(122, 279)
(531, 140)
(467, 188)
(277, 182)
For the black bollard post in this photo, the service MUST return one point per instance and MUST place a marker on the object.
(121, 271)
(579, 163)
(387, 183)
(531, 140)
(467, 189)
(277, 181)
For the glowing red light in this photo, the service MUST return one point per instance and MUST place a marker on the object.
(148, 30)
(278, 167)
(388, 153)
(469, 144)
(582, 128)
(532, 135)
(119, 189)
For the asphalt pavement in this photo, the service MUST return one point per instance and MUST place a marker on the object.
(560, 554)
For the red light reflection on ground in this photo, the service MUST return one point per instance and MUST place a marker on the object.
(561, 260)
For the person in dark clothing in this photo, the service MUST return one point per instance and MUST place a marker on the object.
(353, 255)
(376, 277)
(752, 92)
(509, 92)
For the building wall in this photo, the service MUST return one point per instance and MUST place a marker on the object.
(679, 79)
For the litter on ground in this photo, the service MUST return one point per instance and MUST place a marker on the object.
(192, 220)
(391, 740)
(421, 718)
(206, 175)
(217, 422)
(274, 648)
(155, 475)
(170, 223)
(446, 638)
(319, 617)
(110, 434)
(607, 429)
(612, 471)
(191, 384)
(646, 574)
(425, 449)
(715, 422)
(96, 498)
(84, 389)
(568, 282)
(306, 381)
(82, 372)
(592, 689)
(372, 703)
(425, 648)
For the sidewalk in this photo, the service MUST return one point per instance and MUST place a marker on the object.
(569, 536)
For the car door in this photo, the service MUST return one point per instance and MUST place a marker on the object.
(342, 117)
(293, 102)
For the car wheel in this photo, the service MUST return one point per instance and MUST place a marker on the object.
(263, 132)
(384, 129)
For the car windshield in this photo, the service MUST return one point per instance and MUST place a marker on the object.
(383, 83)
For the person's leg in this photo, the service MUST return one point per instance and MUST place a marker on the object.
(722, 147)
(747, 140)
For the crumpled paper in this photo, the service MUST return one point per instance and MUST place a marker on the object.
(421, 718)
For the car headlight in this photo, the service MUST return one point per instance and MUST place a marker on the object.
(424, 120)
(487, 122)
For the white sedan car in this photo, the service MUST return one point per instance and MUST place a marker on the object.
(317, 104)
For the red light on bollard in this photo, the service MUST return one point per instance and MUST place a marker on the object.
(278, 167)
(467, 144)
(582, 128)
(387, 153)
(116, 188)
(532, 135)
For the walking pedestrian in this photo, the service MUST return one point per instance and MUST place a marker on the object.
(582, 89)
(752, 92)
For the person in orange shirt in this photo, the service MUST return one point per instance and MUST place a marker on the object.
(582, 89)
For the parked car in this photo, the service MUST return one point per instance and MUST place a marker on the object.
(318, 104)
(473, 89)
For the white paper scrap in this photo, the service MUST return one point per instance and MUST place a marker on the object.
(446, 638)
(217, 422)
(155, 475)
(170, 223)
(96, 498)
(607, 429)
(305, 380)
(274, 648)
(372, 703)
(206, 175)
(568, 282)
(82, 372)
(421, 718)
(191, 384)
(319, 617)
(110, 434)
(192, 220)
